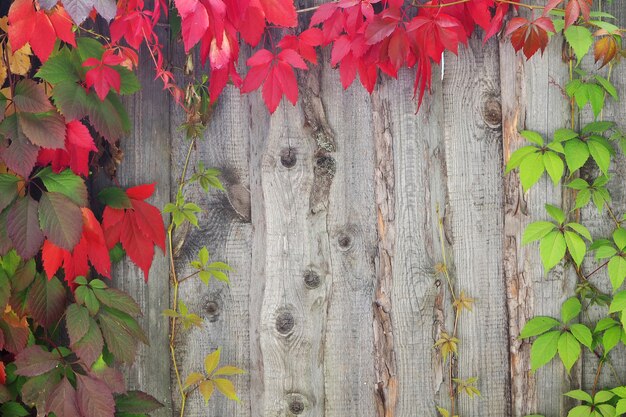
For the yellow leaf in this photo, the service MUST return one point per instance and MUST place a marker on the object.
(4, 24)
(19, 61)
(206, 389)
(229, 370)
(447, 344)
(463, 302)
(211, 361)
(227, 388)
(193, 379)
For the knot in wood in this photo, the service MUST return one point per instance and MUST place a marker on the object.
(296, 406)
(285, 322)
(325, 166)
(288, 157)
(312, 279)
(492, 112)
(344, 241)
(212, 308)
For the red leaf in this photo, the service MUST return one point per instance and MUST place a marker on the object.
(141, 192)
(574, 9)
(78, 144)
(280, 12)
(605, 49)
(23, 227)
(435, 31)
(382, 26)
(102, 77)
(253, 25)
(195, 21)
(529, 36)
(21, 23)
(136, 244)
(150, 222)
(3, 374)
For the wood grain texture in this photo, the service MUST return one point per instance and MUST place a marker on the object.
(411, 174)
(226, 231)
(146, 160)
(532, 99)
(473, 140)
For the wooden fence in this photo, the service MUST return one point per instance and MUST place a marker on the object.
(331, 222)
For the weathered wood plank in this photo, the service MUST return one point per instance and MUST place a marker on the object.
(146, 160)
(471, 94)
(411, 184)
(602, 225)
(226, 231)
(532, 99)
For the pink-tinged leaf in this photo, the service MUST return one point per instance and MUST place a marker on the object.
(46, 300)
(94, 397)
(21, 155)
(287, 79)
(551, 5)
(44, 129)
(253, 26)
(89, 347)
(23, 227)
(195, 21)
(272, 91)
(292, 58)
(31, 97)
(34, 360)
(260, 57)
(323, 13)
(341, 47)
(574, 9)
(113, 378)
(255, 77)
(60, 219)
(15, 331)
(62, 400)
(280, 12)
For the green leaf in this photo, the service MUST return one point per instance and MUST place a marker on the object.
(580, 411)
(518, 156)
(533, 137)
(580, 39)
(619, 237)
(582, 334)
(30, 97)
(114, 197)
(611, 338)
(544, 349)
(8, 190)
(579, 394)
(530, 170)
(576, 154)
(13, 409)
(582, 198)
(603, 396)
(537, 230)
(76, 322)
(580, 229)
(71, 100)
(114, 298)
(129, 82)
(570, 309)
(561, 135)
(554, 165)
(605, 251)
(569, 350)
(576, 247)
(600, 154)
(618, 303)
(621, 407)
(600, 126)
(67, 183)
(610, 88)
(552, 249)
(556, 213)
(58, 68)
(538, 325)
(617, 271)
(595, 94)
(606, 410)
(61, 220)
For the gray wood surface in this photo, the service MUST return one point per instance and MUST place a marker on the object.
(330, 221)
